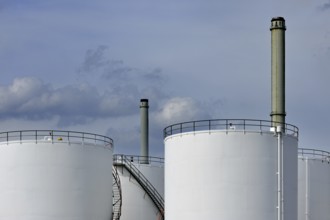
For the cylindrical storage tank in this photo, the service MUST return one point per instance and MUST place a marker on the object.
(139, 180)
(313, 184)
(227, 169)
(51, 175)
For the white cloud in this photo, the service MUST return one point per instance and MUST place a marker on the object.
(21, 91)
(30, 98)
(180, 109)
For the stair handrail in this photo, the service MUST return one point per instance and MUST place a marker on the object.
(143, 181)
(116, 213)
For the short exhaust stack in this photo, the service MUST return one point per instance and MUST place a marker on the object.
(144, 150)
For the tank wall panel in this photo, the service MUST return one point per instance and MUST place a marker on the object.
(230, 176)
(154, 174)
(136, 203)
(55, 181)
(290, 169)
(313, 189)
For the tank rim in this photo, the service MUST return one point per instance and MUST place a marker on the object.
(244, 125)
(55, 136)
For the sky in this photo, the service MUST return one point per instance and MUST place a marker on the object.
(85, 65)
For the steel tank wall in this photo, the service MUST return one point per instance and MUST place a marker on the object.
(136, 202)
(228, 175)
(313, 187)
(155, 174)
(51, 180)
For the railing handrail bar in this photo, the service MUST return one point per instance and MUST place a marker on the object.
(227, 124)
(23, 135)
(117, 182)
(140, 174)
(138, 158)
(314, 152)
(232, 119)
(152, 192)
(144, 182)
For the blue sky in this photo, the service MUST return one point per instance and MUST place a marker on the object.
(84, 65)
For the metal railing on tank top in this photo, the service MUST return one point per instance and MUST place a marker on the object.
(55, 136)
(322, 155)
(227, 125)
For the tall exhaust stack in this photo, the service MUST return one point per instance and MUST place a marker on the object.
(144, 151)
(278, 71)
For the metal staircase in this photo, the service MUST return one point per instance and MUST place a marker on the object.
(123, 160)
(116, 195)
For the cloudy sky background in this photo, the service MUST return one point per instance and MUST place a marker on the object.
(85, 65)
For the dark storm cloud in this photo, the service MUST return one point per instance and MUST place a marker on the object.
(94, 60)
(116, 70)
(121, 79)
(154, 76)
(325, 6)
(97, 62)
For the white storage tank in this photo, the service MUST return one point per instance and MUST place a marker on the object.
(142, 184)
(227, 169)
(51, 175)
(313, 184)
